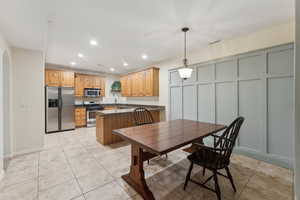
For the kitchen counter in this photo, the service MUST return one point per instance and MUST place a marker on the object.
(125, 104)
(109, 120)
(129, 110)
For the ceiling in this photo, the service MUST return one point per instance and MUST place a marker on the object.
(127, 29)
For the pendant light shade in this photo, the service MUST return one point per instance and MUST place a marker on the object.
(185, 72)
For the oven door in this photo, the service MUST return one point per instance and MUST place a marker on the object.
(91, 118)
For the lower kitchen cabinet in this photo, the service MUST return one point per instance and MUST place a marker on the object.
(80, 117)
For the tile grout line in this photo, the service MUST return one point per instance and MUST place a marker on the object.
(114, 179)
(239, 196)
(38, 178)
(98, 164)
(73, 173)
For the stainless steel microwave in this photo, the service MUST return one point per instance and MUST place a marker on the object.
(92, 92)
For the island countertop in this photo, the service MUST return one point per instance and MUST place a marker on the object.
(129, 110)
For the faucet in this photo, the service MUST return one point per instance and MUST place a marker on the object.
(116, 100)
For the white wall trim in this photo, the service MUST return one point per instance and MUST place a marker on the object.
(2, 174)
(21, 153)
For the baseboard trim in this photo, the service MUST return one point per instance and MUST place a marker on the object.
(2, 173)
(269, 158)
(21, 153)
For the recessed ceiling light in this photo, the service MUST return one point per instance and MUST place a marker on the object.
(125, 64)
(80, 55)
(73, 63)
(112, 69)
(145, 56)
(93, 43)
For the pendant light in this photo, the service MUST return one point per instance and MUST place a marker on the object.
(185, 72)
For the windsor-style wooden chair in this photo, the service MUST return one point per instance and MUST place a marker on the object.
(217, 157)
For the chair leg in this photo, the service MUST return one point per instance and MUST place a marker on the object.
(230, 178)
(148, 162)
(203, 171)
(188, 176)
(217, 187)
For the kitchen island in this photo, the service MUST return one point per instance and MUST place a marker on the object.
(109, 120)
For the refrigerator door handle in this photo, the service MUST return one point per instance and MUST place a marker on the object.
(60, 103)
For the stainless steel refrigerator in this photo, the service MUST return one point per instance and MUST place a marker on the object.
(59, 109)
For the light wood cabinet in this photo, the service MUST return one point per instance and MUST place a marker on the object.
(57, 78)
(88, 81)
(126, 85)
(52, 78)
(80, 117)
(67, 79)
(143, 83)
(134, 85)
(79, 85)
(105, 124)
(140, 84)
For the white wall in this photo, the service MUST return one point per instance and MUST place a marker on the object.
(4, 116)
(109, 80)
(297, 103)
(7, 104)
(28, 100)
(268, 37)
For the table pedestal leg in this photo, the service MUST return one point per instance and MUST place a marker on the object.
(136, 176)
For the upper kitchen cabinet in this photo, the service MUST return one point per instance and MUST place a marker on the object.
(151, 82)
(88, 81)
(79, 85)
(52, 78)
(56, 78)
(67, 79)
(126, 86)
(140, 84)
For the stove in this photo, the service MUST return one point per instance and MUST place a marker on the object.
(91, 108)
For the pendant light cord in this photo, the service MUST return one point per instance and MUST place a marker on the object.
(185, 61)
(184, 45)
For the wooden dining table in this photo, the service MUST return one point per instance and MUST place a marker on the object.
(148, 141)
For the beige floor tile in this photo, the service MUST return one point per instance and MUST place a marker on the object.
(245, 161)
(94, 180)
(52, 155)
(65, 191)
(11, 178)
(127, 188)
(84, 165)
(275, 171)
(52, 178)
(46, 168)
(98, 170)
(79, 198)
(26, 190)
(109, 157)
(268, 187)
(118, 169)
(75, 152)
(110, 191)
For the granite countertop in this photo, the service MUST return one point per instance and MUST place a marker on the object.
(126, 104)
(128, 110)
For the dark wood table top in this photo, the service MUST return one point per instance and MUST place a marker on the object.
(163, 137)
